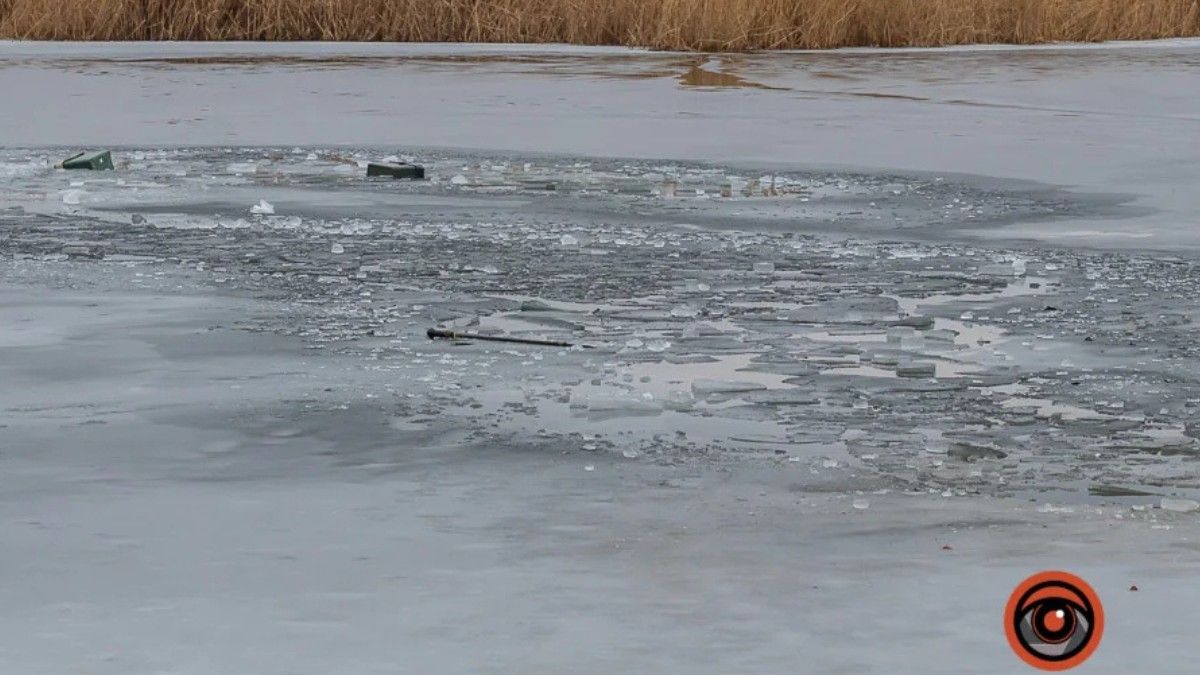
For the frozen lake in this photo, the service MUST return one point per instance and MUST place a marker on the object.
(1114, 119)
(870, 337)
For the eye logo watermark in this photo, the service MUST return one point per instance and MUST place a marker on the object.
(1054, 621)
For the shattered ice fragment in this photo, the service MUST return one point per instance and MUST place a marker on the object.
(764, 267)
(263, 208)
(915, 369)
(590, 467)
(535, 306)
(1180, 505)
(684, 312)
(941, 335)
(459, 179)
(609, 406)
(658, 346)
(629, 454)
(862, 504)
(72, 196)
(1014, 268)
(679, 400)
(705, 387)
(568, 240)
(337, 248)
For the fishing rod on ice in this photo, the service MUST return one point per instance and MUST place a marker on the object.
(439, 334)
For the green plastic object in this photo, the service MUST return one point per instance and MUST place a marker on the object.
(95, 161)
(402, 170)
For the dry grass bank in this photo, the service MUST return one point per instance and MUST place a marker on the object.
(665, 24)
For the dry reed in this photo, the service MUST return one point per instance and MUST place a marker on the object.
(662, 24)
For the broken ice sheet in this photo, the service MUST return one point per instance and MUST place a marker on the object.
(827, 311)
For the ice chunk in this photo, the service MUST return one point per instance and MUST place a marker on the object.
(915, 369)
(72, 196)
(1180, 505)
(941, 335)
(855, 309)
(459, 179)
(706, 387)
(568, 240)
(263, 208)
(764, 267)
(616, 405)
(658, 346)
(535, 306)
(862, 504)
(1014, 268)
(679, 400)
(337, 249)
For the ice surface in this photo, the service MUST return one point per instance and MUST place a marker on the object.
(736, 446)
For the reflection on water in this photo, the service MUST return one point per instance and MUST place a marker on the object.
(699, 76)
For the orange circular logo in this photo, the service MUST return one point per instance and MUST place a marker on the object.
(1054, 621)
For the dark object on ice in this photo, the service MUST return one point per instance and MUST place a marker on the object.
(401, 170)
(918, 322)
(95, 161)
(970, 452)
(439, 334)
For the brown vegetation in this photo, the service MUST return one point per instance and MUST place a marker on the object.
(663, 24)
